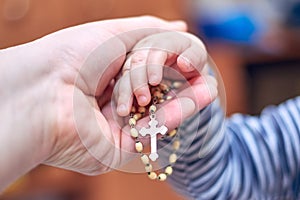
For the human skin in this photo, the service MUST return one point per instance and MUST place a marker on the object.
(55, 103)
(181, 51)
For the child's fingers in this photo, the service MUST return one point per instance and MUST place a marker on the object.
(188, 50)
(193, 57)
(155, 63)
(124, 95)
(138, 76)
(200, 93)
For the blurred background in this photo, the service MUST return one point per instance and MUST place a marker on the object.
(255, 44)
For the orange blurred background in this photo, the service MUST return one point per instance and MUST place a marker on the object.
(25, 20)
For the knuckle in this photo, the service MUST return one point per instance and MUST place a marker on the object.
(124, 97)
(212, 80)
(138, 58)
(140, 88)
(149, 18)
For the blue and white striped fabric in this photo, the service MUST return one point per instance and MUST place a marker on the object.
(243, 157)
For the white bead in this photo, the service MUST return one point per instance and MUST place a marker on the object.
(161, 100)
(139, 147)
(169, 170)
(152, 109)
(172, 133)
(134, 133)
(152, 175)
(176, 145)
(132, 122)
(162, 177)
(172, 158)
(177, 84)
(168, 97)
(148, 168)
(145, 159)
(137, 116)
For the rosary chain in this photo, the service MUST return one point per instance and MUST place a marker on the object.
(159, 95)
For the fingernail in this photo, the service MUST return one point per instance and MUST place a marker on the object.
(122, 109)
(180, 23)
(153, 80)
(213, 91)
(186, 63)
(142, 99)
(188, 106)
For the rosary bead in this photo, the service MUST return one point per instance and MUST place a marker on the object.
(139, 146)
(133, 109)
(142, 109)
(137, 116)
(177, 84)
(158, 94)
(172, 158)
(169, 170)
(172, 133)
(152, 109)
(134, 132)
(161, 100)
(154, 89)
(168, 97)
(152, 175)
(176, 145)
(145, 159)
(162, 177)
(132, 122)
(165, 88)
(148, 168)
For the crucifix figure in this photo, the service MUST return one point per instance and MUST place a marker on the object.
(153, 131)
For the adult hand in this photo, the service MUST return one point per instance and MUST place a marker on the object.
(54, 108)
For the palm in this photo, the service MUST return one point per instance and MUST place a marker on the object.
(90, 137)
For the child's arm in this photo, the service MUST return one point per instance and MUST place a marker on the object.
(243, 157)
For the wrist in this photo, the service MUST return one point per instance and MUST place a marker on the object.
(25, 121)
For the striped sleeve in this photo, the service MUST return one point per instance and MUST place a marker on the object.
(242, 157)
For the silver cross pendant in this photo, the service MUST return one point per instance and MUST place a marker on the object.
(153, 131)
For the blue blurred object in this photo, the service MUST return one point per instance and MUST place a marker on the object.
(234, 27)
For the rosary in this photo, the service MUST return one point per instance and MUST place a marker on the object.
(159, 94)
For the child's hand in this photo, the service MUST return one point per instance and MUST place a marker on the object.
(181, 51)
